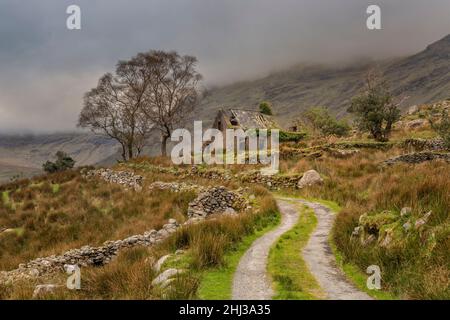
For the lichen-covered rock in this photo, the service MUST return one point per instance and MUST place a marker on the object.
(390, 230)
(157, 266)
(310, 178)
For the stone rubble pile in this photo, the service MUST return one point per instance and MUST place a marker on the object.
(86, 256)
(419, 157)
(216, 200)
(125, 178)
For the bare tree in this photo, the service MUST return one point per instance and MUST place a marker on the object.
(115, 106)
(172, 92)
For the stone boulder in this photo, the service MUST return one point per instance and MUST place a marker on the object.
(310, 178)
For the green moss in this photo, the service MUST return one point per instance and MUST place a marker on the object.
(378, 220)
(55, 188)
(5, 198)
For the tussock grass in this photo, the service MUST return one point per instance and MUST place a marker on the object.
(64, 211)
(418, 268)
(129, 276)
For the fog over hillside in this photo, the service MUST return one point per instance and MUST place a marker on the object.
(46, 68)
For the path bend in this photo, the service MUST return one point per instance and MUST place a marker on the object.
(251, 281)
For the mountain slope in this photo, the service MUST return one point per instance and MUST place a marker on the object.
(25, 154)
(424, 78)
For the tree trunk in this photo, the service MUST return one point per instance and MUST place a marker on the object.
(164, 145)
(130, 152)
(124, 153)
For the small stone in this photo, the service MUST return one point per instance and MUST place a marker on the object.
(407, 226)
(356, 232)
(230, 211)
(405, 212)
(180, 252)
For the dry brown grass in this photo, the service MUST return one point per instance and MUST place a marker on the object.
(360, 185)
(130, 275)
(80, 212)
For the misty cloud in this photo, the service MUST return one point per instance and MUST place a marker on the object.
(45, 68)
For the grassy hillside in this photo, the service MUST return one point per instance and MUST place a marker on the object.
(54, 213)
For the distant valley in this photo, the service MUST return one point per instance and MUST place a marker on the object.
(24, 155)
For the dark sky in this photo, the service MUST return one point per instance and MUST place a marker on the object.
(45, 68)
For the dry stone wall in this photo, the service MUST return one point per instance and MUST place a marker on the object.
(125, 178)
(87, 255)
(419, 157)
(216, 200)
(273, 181)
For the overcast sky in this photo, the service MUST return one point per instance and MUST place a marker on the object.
(45, 68)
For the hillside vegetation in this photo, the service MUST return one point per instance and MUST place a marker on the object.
(394, 216)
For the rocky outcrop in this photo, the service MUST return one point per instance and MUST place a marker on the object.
(387, 228)
(125, 178)
(86, 256)
(419, 157)
(310, 178)
(216, 200)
